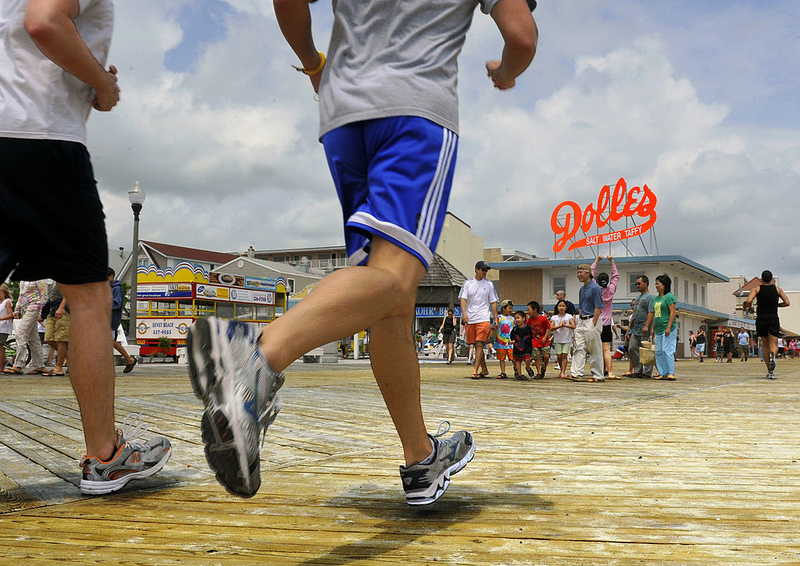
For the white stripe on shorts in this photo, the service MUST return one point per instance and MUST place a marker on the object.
(404, 237)
(433, 198)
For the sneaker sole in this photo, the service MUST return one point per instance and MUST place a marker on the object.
(451, 471)
(89, 487)
(222, 446)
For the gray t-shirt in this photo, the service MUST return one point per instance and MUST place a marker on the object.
(641, 306)
(395, 58)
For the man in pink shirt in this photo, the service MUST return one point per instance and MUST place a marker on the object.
(609, 287)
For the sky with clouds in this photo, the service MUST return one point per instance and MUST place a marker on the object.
(697, 99)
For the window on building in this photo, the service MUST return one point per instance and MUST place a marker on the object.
(686, 291)
(244, 312)
(185, 308)
(225, 310)
(559, 284)
(702, 296)
(632, 277)
(675, 287)
(163, 308)
(265, 312)
(290, 285)
(694, 293)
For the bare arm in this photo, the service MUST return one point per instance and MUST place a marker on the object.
(748, 302)
(464, 311)
(671, 319)
(647, 324)
(520, 34)
(50, 25)
(294, 19)
(494, 312)
(783, 296)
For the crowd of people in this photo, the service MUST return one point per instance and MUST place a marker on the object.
(44, 322)
(584, 335)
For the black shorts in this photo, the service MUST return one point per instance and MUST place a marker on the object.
(449, 337)
(51, 219)
(606, 335)
(767, 325)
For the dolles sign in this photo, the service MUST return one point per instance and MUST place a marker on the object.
(638, 201)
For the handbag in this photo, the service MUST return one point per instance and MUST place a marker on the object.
(647, 354)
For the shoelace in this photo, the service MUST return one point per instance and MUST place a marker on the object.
(132, 431)
(439, 431)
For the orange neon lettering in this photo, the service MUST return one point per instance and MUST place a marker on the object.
(638, 201)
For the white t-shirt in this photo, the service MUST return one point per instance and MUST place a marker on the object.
(562, 335)
(38, 99)
(479, 295)
(6, 326)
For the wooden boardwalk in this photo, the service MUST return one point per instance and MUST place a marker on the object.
(705, 470)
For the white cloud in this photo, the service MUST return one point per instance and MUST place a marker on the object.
(229, 155)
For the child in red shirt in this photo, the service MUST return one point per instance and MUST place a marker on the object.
(540, 325)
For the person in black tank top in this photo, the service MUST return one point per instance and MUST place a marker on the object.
(768, 325)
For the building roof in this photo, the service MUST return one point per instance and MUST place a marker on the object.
(194, 254)
(747, 287)
(712, 275)
(275, 266)
(442, 273)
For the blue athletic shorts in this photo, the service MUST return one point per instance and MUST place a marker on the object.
(393, 177)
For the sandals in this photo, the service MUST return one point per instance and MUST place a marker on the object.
(38, 371)
(627, 374)
(502, 376)
(55, 373)
(613, 377)
(12, 371)
(595, 380)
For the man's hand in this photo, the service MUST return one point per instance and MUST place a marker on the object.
(107, 96)
(500, 79)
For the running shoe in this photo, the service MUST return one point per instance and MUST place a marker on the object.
(771, 375)
(131, 461)
(239, 389)
(425, 482)
(771, 365)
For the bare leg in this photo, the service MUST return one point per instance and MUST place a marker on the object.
(607, 359)
(381, 296)
(92, 365)
(480, 360)
(61, 349)
(121, 350)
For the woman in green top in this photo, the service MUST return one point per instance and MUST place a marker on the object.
(665, 328)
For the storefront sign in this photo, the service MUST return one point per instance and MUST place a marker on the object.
(213, 292)
(251, 296)
(435, 312)
(262, 283)
(166, 290)
(173, 328)
(610, 207)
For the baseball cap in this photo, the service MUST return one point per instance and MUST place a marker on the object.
(482, 265)
(506, 303)
(585, 267)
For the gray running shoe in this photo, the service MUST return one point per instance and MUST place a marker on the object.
(771, 364)
(131, 461)
(239, 389)
(425, 482)
(771, 375)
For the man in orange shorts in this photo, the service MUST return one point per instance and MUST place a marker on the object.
(478, 306)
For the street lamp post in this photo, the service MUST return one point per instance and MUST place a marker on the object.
(136, 197)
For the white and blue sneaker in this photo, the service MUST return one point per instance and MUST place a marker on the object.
(239, 389)
(425, 482)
